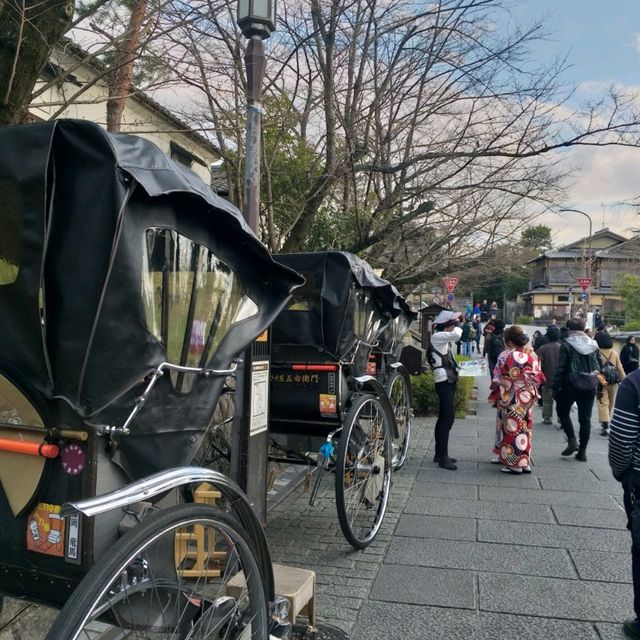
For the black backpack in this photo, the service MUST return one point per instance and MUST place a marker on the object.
(583, 370)
(610, 372)
(449, 363)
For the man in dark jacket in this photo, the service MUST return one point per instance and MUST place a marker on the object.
(624, 459)
(548, 354)
(495, 345)
(576, 381)
(630, 355)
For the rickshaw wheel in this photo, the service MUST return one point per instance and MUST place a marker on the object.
(170, 577)
(400, 397)
(363, 470)
(215, 449)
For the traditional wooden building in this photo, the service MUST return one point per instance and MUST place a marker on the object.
(554, 291)
(74, 85)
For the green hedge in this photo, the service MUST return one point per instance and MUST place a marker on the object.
(632, 325)
(525, 319)
(425, 399)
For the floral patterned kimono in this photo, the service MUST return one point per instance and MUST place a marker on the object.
(516, 379)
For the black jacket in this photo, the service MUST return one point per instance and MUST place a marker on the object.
(495, 348)
(629, 357)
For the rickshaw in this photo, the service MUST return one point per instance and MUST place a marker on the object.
(384, 363)
(127, 291)
(330, 391)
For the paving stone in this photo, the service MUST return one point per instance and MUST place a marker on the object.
(27, 623)
(554, 535)
(487, 475)
(379, 621)
(479, 509)
(11, 609)
(467, 464)
(603, 472)
(442, 490)
(481, 556)
(472, 440)
(537, 496)
(604, 518)
(554, 597)
(443, 527)
(566, 470)
(424, 585)
(560, 483)
(611, 631)
(602, 565)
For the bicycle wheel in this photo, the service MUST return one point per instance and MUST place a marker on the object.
(400, 397)
(170, 578)
(215, 449)
(363, 470)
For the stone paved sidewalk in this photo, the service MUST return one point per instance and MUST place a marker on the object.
(480, 554)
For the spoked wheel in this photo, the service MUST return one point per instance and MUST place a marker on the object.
(215, 449)
(400, 397)
(169, 578)
(363, 470)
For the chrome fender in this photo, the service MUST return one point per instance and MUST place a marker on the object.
(370, 384)
(164, 481)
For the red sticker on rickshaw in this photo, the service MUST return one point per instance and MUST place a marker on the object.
(328, 404)
(45, 530)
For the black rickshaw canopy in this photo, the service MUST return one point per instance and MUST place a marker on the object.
(114, 259)
(343, 303)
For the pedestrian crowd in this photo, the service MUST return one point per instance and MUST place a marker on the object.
(563, 367)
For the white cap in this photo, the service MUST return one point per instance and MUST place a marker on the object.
(445, 316)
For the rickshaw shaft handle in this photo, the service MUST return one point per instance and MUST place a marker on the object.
(43, 449)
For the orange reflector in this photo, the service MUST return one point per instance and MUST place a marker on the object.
(314, 367)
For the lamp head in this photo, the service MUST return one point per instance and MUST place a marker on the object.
(257, 17)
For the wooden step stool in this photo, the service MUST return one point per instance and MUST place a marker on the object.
(195, 547)
(298, 586)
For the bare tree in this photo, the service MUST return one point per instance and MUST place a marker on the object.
(417, 135)
(28, 30)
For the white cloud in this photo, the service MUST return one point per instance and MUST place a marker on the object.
(603, 179)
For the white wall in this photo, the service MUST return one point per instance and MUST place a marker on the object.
(138, 118)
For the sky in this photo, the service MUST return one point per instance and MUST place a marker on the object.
(602, 42)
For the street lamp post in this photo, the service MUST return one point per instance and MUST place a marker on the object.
(257, 20)
(586, 266)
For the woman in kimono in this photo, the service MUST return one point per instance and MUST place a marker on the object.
(516, 379)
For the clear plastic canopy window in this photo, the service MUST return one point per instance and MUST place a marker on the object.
(10, 234)
(367, 323)
(191, 299)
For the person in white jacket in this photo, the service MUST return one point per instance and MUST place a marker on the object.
(445, 372)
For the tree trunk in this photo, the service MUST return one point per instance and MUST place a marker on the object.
(120, 84)
(29, 29)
